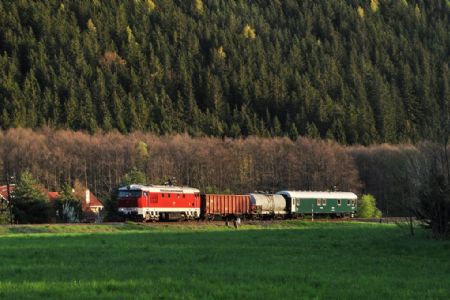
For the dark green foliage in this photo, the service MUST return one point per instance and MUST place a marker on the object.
(434, 207)
(4, 212)
(30, 204)
(214, 190)
(134, 177)
(221, 68)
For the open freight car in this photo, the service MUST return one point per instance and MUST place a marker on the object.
(224, 206)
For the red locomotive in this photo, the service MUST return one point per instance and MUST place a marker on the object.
(159, 202)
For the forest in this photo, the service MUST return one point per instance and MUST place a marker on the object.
(358, 72)
(394, 174)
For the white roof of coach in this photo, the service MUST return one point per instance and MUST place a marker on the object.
(160, 188)
(318, 195)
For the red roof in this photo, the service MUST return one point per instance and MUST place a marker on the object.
(4, 191)
(93, 200)
(52, 196)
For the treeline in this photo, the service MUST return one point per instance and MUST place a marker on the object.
(100, 161)
(354, 71)
(393, 174)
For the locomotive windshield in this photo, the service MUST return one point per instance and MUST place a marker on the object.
(129, 193)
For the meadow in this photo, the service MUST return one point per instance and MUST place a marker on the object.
(288, 260)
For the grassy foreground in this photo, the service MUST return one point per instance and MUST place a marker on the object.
(290, 260)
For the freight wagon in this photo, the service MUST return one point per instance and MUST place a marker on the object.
(228, 206)
(303, 203)
(268, 205)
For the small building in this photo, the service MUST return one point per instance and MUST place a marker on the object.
(90, 204)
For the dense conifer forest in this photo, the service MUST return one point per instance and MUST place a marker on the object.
(354, 71)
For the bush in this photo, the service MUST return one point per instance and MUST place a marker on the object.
(4, 212)
(434, 206)
(67, 207)
(367, 207)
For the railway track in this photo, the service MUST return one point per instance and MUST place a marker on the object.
(178, 223)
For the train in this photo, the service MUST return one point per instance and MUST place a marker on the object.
(167, 202)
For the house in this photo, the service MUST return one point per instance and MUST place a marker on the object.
(90, 204)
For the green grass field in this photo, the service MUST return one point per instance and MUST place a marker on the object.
(289, 260)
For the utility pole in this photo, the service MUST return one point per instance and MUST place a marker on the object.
(8, 191)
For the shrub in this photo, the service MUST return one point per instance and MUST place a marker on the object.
(367, 207)
(68, 207)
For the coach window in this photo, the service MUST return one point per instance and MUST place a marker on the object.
(348, 202)
(324, 202)
(168, 195)
(339, 202)
(162, 195)
(184, 196)
(178, 195)
(318, 202)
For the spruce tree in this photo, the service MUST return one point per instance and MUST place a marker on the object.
(30, 204)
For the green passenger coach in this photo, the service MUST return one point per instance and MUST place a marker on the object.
(302, 203)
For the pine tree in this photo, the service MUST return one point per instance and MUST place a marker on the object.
(293, 132)
(117, 112)
(32, 99)
(30, 205)
(71, 111)
(384, 74)
(312, 131)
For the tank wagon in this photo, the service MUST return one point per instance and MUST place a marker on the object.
(303, 203)
(158, 202)
(268, 205)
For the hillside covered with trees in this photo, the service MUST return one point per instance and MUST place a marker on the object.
(354, 71)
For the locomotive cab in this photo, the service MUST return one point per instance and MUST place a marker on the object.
(128, 201)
